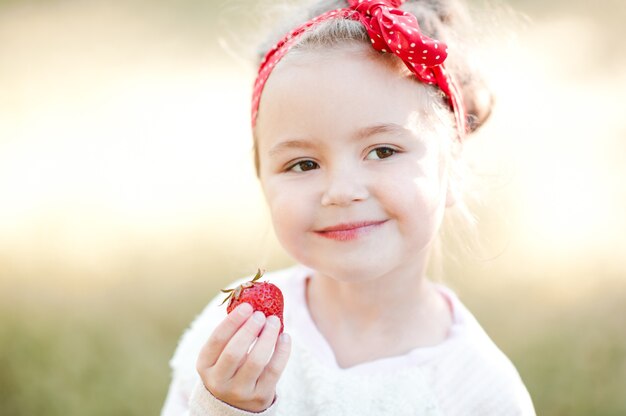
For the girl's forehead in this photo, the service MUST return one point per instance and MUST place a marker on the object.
(338, 92)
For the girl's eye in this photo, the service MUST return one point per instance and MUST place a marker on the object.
(382, 152)
(302, 166)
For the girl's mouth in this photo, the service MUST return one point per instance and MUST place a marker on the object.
(349, 231)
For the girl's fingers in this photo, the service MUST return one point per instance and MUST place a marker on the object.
(238, 346)
(273, 370)
(261, 353)
(222, 334)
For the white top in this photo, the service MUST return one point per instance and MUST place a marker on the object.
(465, 375)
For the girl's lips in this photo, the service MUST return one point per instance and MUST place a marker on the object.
(349, 231)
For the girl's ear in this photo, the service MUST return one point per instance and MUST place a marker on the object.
(454, 184)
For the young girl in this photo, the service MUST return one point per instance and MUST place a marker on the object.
(358, 116)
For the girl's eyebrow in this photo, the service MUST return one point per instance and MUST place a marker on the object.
(290, 144)
(379, 128)
(361, 134)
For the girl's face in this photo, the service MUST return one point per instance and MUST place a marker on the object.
(344, 137)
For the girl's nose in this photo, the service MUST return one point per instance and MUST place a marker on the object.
(344, 187)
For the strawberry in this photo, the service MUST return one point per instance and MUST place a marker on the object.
(263, 296)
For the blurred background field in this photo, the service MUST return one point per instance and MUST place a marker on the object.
(128, 197)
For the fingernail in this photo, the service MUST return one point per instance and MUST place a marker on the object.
(284, 338)
(258, 317)
(244, 309)
(273, 321)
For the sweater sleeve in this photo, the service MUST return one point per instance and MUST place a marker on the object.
(176, 402)
(203, 403)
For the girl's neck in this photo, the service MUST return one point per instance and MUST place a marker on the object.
(368, 321)
(388, 305)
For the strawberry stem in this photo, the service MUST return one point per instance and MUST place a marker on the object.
(235, 292)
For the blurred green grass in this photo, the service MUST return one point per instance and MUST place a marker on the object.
(571, 353)
(99, 353)
(105, 351)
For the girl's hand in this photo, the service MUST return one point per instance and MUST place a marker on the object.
(241, 379)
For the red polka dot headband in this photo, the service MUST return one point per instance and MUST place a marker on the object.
(390, 30)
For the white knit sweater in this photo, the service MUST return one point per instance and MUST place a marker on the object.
(464, 375)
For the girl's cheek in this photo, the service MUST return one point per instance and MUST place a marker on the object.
(284, 201)
(271, 190)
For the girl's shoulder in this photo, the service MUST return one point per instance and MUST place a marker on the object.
(497, 377)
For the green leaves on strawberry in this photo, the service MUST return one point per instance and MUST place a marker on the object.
(263, 296)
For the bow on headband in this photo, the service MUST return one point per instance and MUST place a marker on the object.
(390, 30)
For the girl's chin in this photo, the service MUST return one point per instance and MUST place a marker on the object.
(349, 273)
